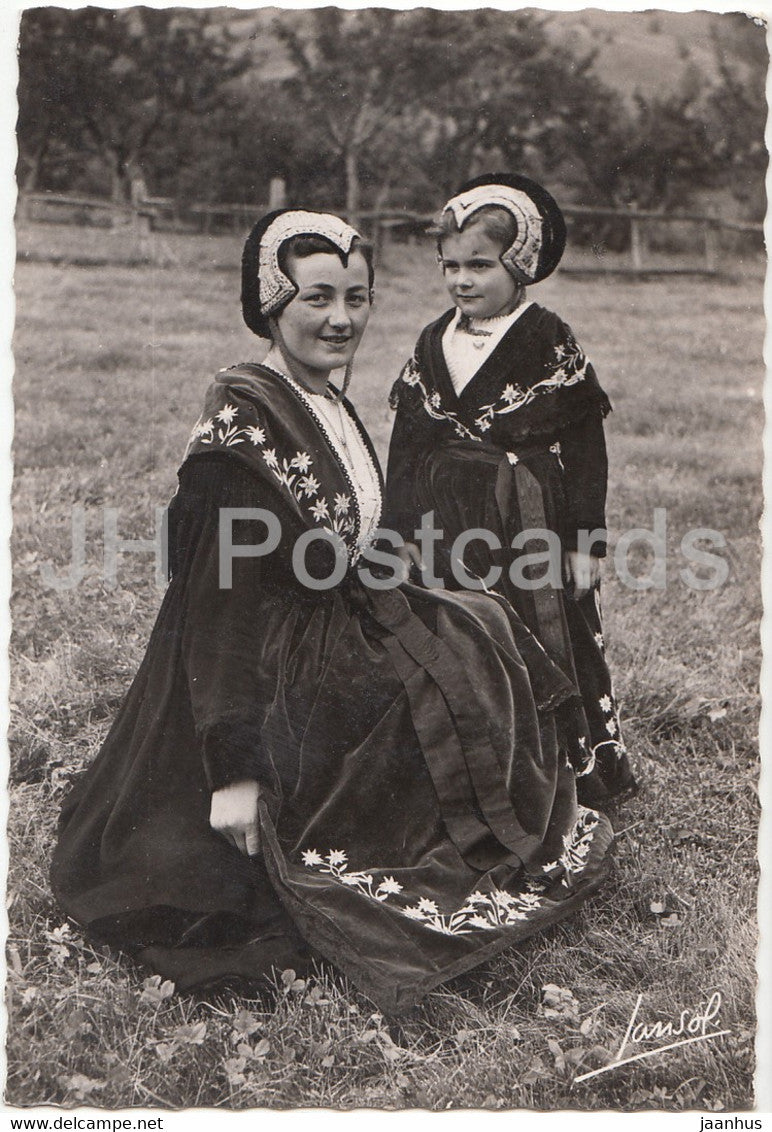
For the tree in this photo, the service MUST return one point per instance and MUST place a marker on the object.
(120, 89)
(737, 110)
(411, 103)
(363, 77)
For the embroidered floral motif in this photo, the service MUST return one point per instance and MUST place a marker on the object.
(483, 911)
(613, 727)
(568, 366)
(293, 473)
(411, 375)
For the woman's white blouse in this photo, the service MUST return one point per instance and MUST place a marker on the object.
(353, 454)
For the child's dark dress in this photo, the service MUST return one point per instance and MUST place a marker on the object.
(521, 447)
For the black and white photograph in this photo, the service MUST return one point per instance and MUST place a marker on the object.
(386, 602)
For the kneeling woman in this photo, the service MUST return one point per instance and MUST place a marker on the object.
(370, 775)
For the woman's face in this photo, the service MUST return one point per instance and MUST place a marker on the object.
(322, 326)
(477, 280)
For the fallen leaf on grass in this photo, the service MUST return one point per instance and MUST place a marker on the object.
(462, 1036)
(246, 1023)
(261, 1048)
(166, 1051)
(76, 1024)
(315, 997)
(657, 907)
(13, 955)
(535, 1072)
(234, 1067)
(557, 1054)
(154, 991)
(559, 1002)
(58, 955)
(717, 713)
(588, 1025)
(328, 1061)
(291, 982)
(81, 1086)
(192, 1034)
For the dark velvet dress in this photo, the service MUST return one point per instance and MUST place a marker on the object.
(416, 813)
(520, 449)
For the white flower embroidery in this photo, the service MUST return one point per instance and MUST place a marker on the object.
(605, 703)
(432, 403)
(309, 485)
(294, 474)
(611, 726)
(428, 907)
(389, 887)
(599, 640)
(227, 414)
(481, 911)
(302, 462)
(572, 370)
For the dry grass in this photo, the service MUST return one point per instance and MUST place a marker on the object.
(112, 365)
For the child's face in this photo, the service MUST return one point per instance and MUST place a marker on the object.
(477, 280)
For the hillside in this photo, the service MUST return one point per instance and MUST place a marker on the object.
(652, 52)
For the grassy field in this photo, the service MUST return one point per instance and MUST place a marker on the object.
(112, 363)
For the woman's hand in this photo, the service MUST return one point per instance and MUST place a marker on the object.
(234, 815)
(581, 571)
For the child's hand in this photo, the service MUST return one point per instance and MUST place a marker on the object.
(581, 572)
(410, 555)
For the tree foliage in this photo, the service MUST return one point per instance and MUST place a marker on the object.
(113, 94)
(370, 108)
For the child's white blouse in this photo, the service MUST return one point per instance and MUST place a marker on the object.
(465, 352)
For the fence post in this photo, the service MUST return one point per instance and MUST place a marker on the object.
(709, 230)
(277, 193)
(635, 238)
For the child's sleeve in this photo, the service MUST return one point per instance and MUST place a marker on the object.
(583, 453)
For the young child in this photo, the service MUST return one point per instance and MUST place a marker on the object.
(499, 427)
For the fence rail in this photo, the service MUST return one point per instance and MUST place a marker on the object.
(635, 228)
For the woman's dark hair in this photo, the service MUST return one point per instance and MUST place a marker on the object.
(303, 246)
(498, 224)
(300, 246)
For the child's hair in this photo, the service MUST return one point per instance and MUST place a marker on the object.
(498, 224)
(303, 246)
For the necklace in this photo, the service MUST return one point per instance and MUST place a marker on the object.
(339, 431)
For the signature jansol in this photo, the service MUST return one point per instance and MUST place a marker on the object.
(692, 1025)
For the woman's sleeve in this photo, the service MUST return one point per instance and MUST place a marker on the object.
(409, 440)
(223, 634)
(583, 454)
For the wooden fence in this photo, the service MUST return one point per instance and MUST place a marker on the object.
(635, 231)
